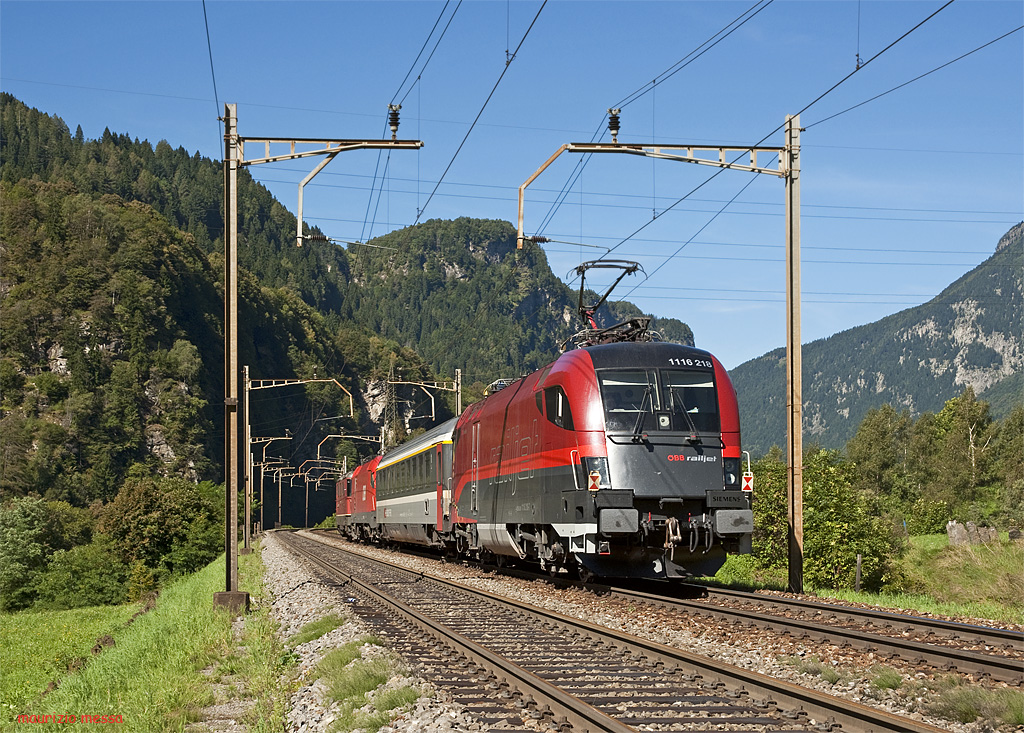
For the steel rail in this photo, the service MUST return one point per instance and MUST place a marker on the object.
(580, 715)
(940, 656)
(850, 715)
(988, 635)
(1001, 668)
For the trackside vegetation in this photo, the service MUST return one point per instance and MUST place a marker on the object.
(152, 676)
(162, 669)
(353, 679)
(41, 647)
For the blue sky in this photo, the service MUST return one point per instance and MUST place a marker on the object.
(900, 196)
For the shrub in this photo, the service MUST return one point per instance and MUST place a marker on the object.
(87, 575)
(167, 524)
(50, 386)
(838, 525)
(23, 551)
(31, 530)
(770, 547)
(928, 517)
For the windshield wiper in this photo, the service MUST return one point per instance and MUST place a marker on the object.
(694, 437)
(640, 416)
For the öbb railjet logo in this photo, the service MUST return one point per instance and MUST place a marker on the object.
(698, 458)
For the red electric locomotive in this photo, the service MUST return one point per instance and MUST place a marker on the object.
(622, 460)
(356, 502)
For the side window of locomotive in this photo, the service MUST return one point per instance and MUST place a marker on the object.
(556, 404)
(626, 393)
(691, 399)
(539, 396)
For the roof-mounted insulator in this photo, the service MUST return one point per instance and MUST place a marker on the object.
(393, 119)
(613, 124)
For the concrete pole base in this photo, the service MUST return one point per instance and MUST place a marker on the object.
(235, 601)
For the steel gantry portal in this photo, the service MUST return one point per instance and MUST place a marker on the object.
(235, 447)
(789, 170)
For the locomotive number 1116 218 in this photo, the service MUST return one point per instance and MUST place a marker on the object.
(700, 363)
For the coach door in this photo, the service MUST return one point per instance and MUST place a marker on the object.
(475, 469)
(442, 495)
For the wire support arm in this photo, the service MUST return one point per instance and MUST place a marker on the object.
(270, 383)
(326, 147)
(686, 154)
(689, 154)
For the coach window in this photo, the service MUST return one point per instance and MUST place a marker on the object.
(556, 405)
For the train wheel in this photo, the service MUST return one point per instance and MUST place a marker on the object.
(581, 571)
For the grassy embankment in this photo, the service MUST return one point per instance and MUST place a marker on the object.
(183, 656)
(153, 676)
(980, 581)
(977, 581)
(37, 648)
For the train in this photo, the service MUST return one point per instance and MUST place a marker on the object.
(619, 459)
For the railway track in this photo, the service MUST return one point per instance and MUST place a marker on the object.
(555, 672)
(980, 651)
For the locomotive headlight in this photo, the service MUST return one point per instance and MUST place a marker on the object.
(731, 468)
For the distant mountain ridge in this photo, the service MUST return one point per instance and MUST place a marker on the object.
(968, 335)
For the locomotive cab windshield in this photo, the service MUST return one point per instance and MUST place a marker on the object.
(673, 400)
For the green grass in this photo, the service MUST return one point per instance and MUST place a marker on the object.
(40, 647)
(965, 704)
(316, 629)
(741, 572)
(814, 666)
(886, 678)
(980, 581)
(350, 680)
(335, 661)
(152, 677)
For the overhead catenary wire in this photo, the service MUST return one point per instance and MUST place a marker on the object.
(422, 48)
(626, 195)
(1015, 215)
(916, 78)
(391, 105)
(779, 127)
(708, 223)
(696, 53)
(692, 56)
(482, 108)
(213, 75)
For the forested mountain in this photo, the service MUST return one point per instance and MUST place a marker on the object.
(967, 336)
(111, 312)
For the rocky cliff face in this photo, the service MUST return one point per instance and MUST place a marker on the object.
(968, 336)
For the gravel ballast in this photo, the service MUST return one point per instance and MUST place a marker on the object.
(300, 598)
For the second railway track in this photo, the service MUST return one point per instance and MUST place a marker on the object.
(982, 651)
(561, 672)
